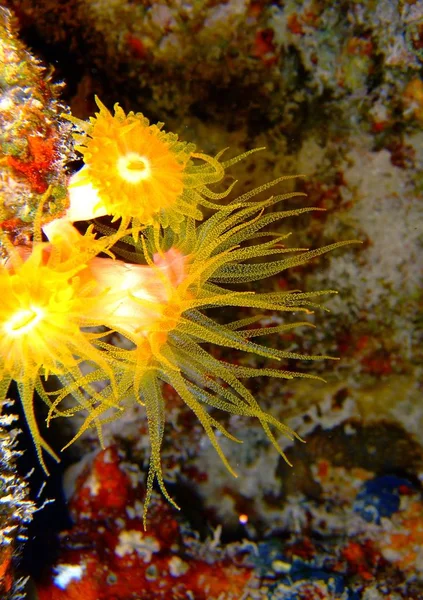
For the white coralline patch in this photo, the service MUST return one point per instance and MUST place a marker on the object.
(383, 206)
(133, 541)
(93, 485)
(177, 566)
(66, 573)
(225, 15)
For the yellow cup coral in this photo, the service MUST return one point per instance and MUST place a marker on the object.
(136, 171)
(159, 307)
(46, 297)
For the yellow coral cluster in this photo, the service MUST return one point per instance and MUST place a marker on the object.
(63, 297)
(137, 172)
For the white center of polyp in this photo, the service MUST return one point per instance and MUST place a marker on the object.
(133, 167)
(23, 320)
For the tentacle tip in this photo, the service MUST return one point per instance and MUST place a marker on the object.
(44, 468)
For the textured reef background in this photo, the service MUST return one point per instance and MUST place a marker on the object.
(334, 91)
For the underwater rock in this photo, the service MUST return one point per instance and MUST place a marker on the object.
(34, 142)
(16, 511)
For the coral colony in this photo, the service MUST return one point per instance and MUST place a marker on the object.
(150, 279)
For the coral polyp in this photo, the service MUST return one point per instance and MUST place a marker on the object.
(137, 172)
(160, 307)
(46, 297)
